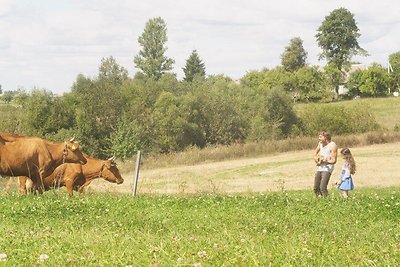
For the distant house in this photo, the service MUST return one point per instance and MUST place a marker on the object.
(354, 67)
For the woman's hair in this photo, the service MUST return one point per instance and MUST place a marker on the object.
(349, 159)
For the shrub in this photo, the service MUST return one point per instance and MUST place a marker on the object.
(337, 119)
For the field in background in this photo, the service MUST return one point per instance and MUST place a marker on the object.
(376, 168)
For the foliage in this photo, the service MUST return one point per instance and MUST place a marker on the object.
(394, 60)
(373, 81)
(11, 119)
(311, 85)
(111, 72)
(151, 59)
(127, 138)
(217, 114)
(337, 119)
(194, 67)
(45, 113)
(338, 38)
(278, 78)
(98, 106)
(295, 56)
(279, 229)
(253, 79)
(173, 129)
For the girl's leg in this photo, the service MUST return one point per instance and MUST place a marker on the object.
(345, 193)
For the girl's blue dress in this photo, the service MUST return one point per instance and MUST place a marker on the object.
(346, 179)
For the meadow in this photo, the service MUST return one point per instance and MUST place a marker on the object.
(286, 228)
(242, 205)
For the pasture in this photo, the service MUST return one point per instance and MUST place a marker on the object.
(254, 210)
(376, 168)
(245, 212)
(286, 228)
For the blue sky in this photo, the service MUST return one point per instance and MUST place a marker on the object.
(46, 44)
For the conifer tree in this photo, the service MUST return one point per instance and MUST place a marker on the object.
(194, 67)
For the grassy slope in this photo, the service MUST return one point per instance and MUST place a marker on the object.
(386, 110)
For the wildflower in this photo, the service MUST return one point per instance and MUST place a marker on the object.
(197, 264)
(264, 231)
(43, 257)
(3, 257)
(202, 254)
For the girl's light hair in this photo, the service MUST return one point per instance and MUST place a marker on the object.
(349, 159)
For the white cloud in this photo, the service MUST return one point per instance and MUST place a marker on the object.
(48, 43)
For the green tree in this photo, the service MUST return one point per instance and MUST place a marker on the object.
(338, 38)
(294, 56)
(375, 81)
(112, 72)
(394, 60)
(194, 67)
(311, 85)
(151, 58)
(98, 107)
(46, 113)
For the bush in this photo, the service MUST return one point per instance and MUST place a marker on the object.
(337, 119)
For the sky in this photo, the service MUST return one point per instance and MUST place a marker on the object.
(46, 44)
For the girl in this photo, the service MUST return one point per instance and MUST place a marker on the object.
(345, 184)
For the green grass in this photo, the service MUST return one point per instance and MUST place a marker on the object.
(280, 229)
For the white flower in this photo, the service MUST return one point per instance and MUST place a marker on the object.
(3, 256)
(43, 257)
(202, 254)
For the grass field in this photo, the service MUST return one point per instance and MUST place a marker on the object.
(376, 168)
(286, 228)
(249, 211)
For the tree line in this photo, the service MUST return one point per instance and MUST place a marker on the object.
(113, 113)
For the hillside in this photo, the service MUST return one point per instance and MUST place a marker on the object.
(386, 110)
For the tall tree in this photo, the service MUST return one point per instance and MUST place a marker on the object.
(194, 67)
(294, 57)
(338, 38)
(151, 58)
